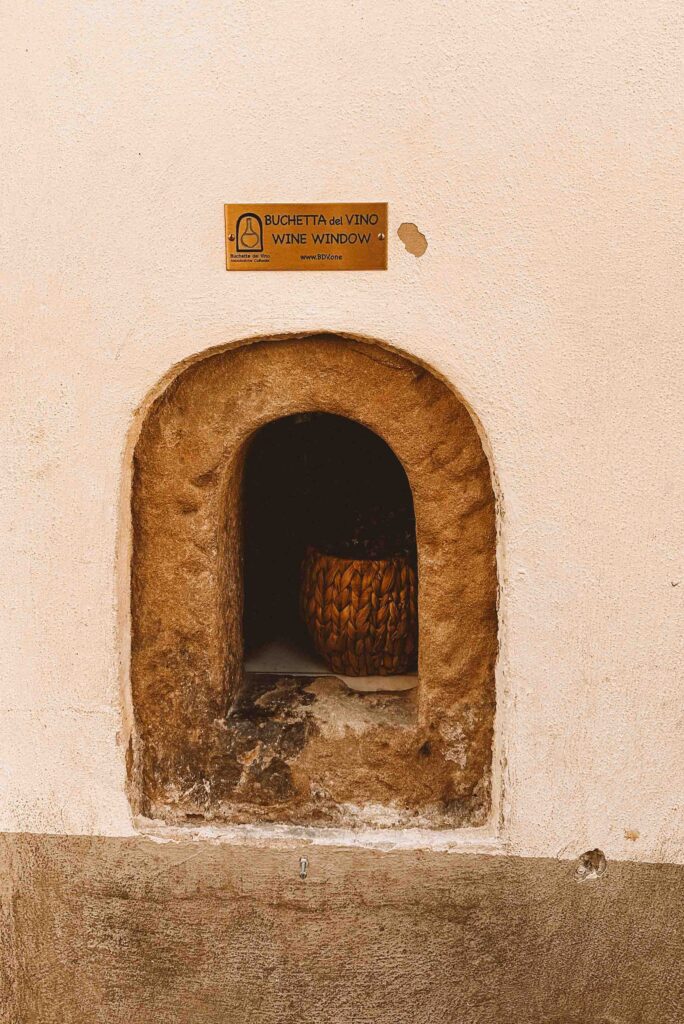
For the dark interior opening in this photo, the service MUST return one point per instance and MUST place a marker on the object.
(314, 479)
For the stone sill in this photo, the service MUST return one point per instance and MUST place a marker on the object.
(482, 840)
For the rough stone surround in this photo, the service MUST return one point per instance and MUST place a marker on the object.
(187, 598)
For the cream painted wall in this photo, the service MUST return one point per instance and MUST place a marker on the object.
(538, 146)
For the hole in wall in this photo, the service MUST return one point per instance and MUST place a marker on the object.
(591, 866)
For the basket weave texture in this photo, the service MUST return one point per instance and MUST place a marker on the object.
(361, 614)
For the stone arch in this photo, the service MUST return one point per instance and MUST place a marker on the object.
(186, 598)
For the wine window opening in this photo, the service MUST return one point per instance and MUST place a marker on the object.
(330, 572)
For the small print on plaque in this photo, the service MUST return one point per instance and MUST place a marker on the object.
(306, 236)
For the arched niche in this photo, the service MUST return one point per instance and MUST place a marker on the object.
(318, 482)
(417, 758)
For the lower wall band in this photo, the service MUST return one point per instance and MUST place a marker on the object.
(113, 930)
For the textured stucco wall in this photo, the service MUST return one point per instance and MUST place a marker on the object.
(537, 148)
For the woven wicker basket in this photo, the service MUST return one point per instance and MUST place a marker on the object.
(361, 614)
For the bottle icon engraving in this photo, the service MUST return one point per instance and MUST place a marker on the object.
(250, 233)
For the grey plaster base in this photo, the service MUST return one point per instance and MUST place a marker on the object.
(130, 931)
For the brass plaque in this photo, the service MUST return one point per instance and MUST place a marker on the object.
(306, 236)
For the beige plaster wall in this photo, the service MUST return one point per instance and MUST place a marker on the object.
(538, 148)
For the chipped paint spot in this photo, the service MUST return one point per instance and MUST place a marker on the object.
(413, 239)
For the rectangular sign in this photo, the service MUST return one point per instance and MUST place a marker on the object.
(306, 236)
